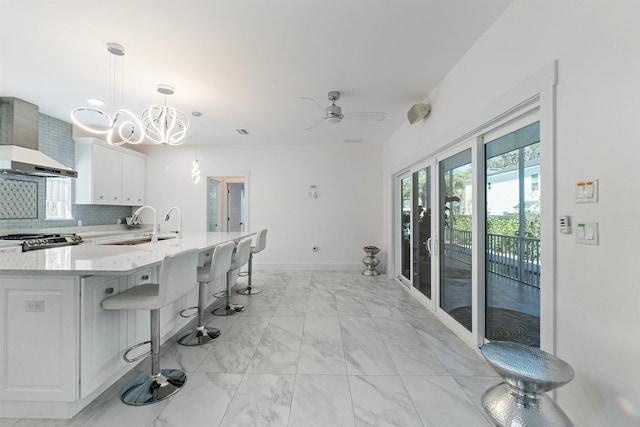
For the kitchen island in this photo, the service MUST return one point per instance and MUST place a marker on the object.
(58, 348)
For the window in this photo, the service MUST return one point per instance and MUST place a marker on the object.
(58, 198)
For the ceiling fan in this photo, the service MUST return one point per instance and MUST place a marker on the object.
(333, 112)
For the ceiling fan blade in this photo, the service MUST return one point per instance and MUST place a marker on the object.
(366, 116)
(312, 102)
(315, 124)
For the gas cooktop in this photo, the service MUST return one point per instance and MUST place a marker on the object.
(43, 240)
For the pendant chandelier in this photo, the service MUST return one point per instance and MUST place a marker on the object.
(161, 124)
(164, 124)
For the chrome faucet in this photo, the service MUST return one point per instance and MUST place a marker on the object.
(168, 216)
(136, 216)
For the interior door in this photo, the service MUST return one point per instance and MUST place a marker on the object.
(235, 206)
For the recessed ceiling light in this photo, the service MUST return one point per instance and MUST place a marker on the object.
(242, 131)
(95, 102)
(196, 113)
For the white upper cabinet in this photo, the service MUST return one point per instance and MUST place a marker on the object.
(133, 180)
(108, 175)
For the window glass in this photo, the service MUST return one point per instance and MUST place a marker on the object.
(58, 198)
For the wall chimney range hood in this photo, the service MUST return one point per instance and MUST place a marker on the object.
(19, 135)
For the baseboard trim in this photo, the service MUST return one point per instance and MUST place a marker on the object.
(317, 267)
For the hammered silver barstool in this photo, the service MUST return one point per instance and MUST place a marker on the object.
(218, 265)
(177, 278)
(261, 243)
(528, 374)
(240, 258)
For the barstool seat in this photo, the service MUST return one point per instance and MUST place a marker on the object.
(177, 278)
(216, 266)
(261, 243)
(240, 258)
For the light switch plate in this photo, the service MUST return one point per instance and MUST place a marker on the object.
(587, 233)
(587, 191)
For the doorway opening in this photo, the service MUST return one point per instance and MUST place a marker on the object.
(226, 204)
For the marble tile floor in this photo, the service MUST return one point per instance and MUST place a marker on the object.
(316, 348)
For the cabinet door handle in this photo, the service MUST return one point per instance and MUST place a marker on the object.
(108, 291)
(144, 277)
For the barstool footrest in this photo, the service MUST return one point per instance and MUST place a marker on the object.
(185, 316)
(147, 389)
(142, 356)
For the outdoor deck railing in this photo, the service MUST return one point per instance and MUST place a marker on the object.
(514, 257)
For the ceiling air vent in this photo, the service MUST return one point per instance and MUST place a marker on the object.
(242, 131)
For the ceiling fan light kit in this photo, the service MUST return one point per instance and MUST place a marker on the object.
(333, 113)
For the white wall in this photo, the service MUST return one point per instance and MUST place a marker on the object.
(346, 216)
(597, 137)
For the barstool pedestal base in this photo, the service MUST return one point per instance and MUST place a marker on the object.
(198, 336)
(248, 291)
(228, 310)
(148, 389)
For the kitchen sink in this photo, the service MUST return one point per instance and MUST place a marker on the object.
(138, 241)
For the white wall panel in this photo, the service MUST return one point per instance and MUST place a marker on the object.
(597, 137)
(346, 216)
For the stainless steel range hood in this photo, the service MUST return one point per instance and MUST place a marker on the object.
(19, 135)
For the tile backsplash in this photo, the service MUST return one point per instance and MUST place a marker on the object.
(22, 198)
(18, 199)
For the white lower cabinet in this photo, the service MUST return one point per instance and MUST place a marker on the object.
(103, 333)
(38, 339)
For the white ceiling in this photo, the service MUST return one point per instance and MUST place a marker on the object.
(242, 63)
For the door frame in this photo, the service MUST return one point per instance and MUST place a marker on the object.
(426, 163)
(477, 310)
(538, 91)
(230, 174)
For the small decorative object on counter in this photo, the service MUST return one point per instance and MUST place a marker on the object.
(370, 261)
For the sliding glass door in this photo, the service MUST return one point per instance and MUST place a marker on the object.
(405, 227)
(513, 190)
(422, 239)
(455, 229)
(416, 242)
(469, 233)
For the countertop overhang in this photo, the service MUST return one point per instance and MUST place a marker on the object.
(104, 259)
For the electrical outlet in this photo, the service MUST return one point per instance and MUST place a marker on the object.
(314, 249)
(34, 306)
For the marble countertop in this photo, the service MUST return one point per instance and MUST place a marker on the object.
(106, 259)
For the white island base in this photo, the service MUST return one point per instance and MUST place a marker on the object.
(59, 349)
